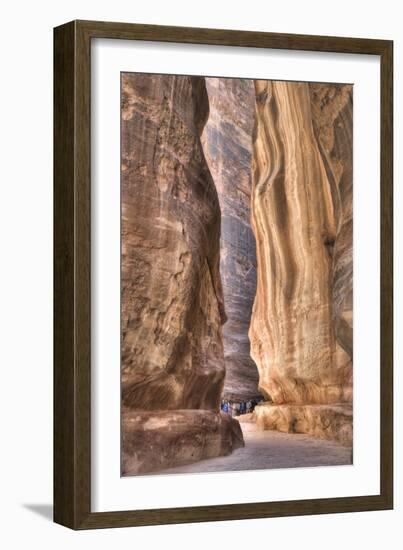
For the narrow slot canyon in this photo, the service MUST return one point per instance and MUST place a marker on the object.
(236, 276)
(227, 145)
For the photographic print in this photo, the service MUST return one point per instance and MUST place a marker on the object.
(236, 274)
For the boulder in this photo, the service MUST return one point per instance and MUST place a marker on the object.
(154, 441)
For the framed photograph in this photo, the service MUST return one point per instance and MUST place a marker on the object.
(222, 275)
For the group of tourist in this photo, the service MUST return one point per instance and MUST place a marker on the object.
(236, 408)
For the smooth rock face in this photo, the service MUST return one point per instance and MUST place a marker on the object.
(171, 295)
(301, 329)
(227, 143)
(154, 441)
(172, 303)
(333, 422)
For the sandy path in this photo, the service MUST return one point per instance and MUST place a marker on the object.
(269, 449)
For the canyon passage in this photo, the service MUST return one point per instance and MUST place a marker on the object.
(236, 274)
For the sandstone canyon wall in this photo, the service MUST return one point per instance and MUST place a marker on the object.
(332, 117)
(172, 301)
(301, 329)
(227, 143)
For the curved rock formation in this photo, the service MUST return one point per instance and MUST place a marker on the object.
(332, 117)
(227, 143)
(301, 329)
(176, 438)
(172, 303)
(333, 422)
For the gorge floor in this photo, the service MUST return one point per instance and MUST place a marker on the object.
(271, 449)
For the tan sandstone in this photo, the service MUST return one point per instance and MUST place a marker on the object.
(301, 329)
(154, 441)
(172, 301)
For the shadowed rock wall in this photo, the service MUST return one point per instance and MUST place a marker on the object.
(227, 143)
(301, 330)
(172, 302)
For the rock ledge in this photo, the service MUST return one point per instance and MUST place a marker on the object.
(158, 440)
(333, 422)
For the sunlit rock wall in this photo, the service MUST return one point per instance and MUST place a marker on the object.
(227, 143)
(332, 117)
(301, 329)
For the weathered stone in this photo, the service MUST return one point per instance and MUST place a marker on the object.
(332, 117)
(301, 329)
(172, 302)
(153, 441)
(227, 143)
(334, 422)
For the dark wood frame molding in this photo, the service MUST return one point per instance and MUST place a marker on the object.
(72, 320)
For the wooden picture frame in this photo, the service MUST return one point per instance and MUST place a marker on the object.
(72, 268)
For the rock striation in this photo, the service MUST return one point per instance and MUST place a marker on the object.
(332, 117)
(301, 328)
(171, 295)
(227, 144)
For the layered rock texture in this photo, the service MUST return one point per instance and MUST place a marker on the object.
(172, 300)
(227, 143)
(332, 117)
(236, 217)
(301, 329)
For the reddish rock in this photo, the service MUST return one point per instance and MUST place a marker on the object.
(172, 302)
(153, 441)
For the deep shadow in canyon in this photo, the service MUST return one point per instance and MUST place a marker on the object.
(236, 264)
(227, 144)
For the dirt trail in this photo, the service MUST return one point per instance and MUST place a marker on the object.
(269, 449)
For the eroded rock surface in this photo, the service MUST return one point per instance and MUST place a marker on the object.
(332, 117)
(227, 143)
(301, 330)
(153, 441)
(333, 422)
(172, 302)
